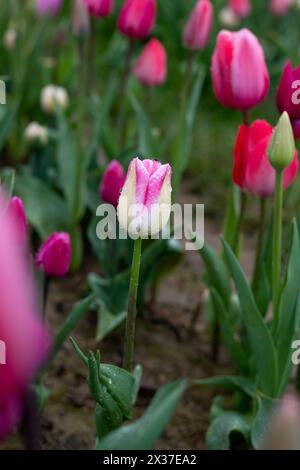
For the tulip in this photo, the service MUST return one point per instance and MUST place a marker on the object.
(228, 18)
(137, 18)
(280, 7)
(281, 148)
(287, 97)
(34, 132)
(239, 73)
(80, 18)
(54, 256)
(145, 201)
(241, 8)
(252, 170)
(112, 182)
(99, 7)
(17, 210)
(48, 7)
(151, 66)
(197, 31)
(21, 331)
(54, 96)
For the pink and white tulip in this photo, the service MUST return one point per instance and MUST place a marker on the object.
(145, 201)
(112, 182)
(48, 7)
(280, 7)
(197, 31)
(151, 66)
(21, 331)
(100, 8)
(54, 256)
(239, 72)
(17, 210)
(242, 8)
(137, 18)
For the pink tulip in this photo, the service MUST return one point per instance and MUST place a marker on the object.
(252, 171)
(241, 8)
(21, 332)
(145, 201)
(54, 256)
(17, 211)
(239, 73)
(198, 28)
(48, 7)
(280, 7)
(100, 7)
(137, 18)
(112, 183)
(288, 95)
(151, 66)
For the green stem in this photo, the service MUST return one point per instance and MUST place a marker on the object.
(260, 241)
(277, 242)
(123, 94)
(240, 222)
(131, 312)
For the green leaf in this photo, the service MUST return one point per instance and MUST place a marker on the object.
(228, 333)
(229, 382)
(7, 180)
(143, 433)
(137, 374)
(232, 215)
(45, 210)
(7, 122)
(289, 314)
(79, 310)
(42, 396)
(260, 338)
(221, 429)
(146, 143)
(265, 411)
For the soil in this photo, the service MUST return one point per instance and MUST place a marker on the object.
(165, 347)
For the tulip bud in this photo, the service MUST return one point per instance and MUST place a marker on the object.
(80, 18)
(145, 202)
(280, 7)
(99, 7)
(18, 215)
(282, 145)
(54, 256)
(151, 66)
(112, 182)
(54, 96)
(239, 73)
(241, 8)
(10, 39)
(283, 431)
(137, 18)
(197, 31)
(34, 132)
(48, 7)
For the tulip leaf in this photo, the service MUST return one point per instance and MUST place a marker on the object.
(265, 411)
(232, 215)
(260, 338)
(143, 433)
(229, 382)
(7, 121)
(221, 429)
(289, 312)
(146, 143)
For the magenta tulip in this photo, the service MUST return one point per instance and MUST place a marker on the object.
(151, 66)
(198, 28)
(112, 182)
(241, 8)
(137, 18)
(48, 7)
(54, 256)
(288, 95)
(21, 331)
(100, 7)
(18, 214)
(280, 7)
(252, 171)
(239, 73)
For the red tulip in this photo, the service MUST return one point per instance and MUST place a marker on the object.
(241, 8)
(280, 7)
(288, 95)
(17, 211)
(198, 28)
(23, 339)
(100, 7)
(151, 66)
(54, 256)
(112, 183)
(239, 73)
(252, 171)
(137, 18)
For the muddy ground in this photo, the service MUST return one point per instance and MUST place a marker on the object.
(164, 346)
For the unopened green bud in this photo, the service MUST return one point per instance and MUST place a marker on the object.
(282, 144)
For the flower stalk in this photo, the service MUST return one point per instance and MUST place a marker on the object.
(277, 242)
